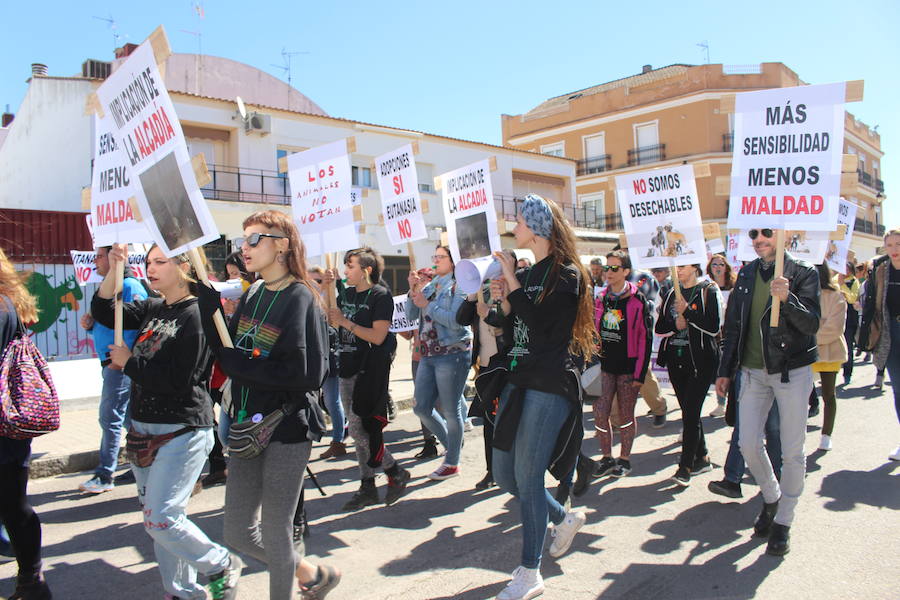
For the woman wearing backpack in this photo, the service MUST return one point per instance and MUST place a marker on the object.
(171, 420)
(20, 520)
(689, 326)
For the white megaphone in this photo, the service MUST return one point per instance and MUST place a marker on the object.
(471, 273)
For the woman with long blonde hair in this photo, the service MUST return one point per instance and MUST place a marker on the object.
(539, 415)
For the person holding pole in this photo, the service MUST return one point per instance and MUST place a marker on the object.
(446, 348)
(689, 324)
(171, 419)
(538, 425)
(775, 364)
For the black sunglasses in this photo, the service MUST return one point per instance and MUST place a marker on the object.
(254, 238)
(613, 268)
(754, 233)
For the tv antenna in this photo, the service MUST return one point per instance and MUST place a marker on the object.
(113, 27)
(199, 60)
(704, 47)
(288, 69)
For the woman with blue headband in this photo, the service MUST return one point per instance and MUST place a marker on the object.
(538, 424)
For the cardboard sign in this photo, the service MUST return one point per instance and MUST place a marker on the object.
(323, 211)
(401, 322)
(715, 246)
(149, 138)
(661, 217)
(111, 189)
(86, 270)
(788, 147)
(469, 211)
(398, 184)
(836, 254)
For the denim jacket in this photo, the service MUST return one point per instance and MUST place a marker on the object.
(442, 309)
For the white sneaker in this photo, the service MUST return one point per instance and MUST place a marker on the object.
(895, 455)
(525, 584)
(468, 425)
(825, 444)
(564, 533)
(95, 485)
(879, 382)
(718, 411)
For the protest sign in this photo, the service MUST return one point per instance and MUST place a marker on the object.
(398, 184)
(148, 136)
(661, 217)
(469, 211)
(788, 148)
(86, 270)
(836, 255)
(356, 196)
(803, 245)
(713, 235)
(90, 226)
(323, 211)
(662, 373)
(111, 188)
(401, 322)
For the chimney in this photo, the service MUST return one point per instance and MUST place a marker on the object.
(7, 118)
(39, 69)
(126, 50)
(646, 68)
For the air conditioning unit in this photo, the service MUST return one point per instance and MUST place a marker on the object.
(258, 123)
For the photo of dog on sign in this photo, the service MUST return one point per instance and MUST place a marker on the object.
(668, 241)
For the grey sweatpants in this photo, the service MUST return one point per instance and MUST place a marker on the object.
(270, 482)
(359, 435)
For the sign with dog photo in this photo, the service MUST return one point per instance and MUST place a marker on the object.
(661, 217)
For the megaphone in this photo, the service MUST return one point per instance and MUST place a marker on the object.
(470, 274)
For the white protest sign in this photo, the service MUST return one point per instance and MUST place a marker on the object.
(86, 270)
(836, 255)
(661, 217)
(715, 246)
(802, 245)
(398, 184)
(90, 226)
(149, 136)
(786, 169)
(662, 373)
(320, 185)
(401, 322)
(469, 211)
(111, 189)
(356, 196)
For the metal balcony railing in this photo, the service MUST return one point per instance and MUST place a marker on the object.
(727, 142)
(593, 164)
(647, 154)
(879, 230)
(865, 178)
(586, 217)
(864, 226)
(879, 185)
(239, 184)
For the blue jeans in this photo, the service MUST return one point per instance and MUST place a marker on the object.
(893, 364)
(224, 427)
(520, 471)
(440, 380)
(734, 462)
(113, 417)
(332, 392)
(164, 488)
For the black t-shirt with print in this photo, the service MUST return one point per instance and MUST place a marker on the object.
(677, 348)
(893, 293)
(614, 357)
(363, 308)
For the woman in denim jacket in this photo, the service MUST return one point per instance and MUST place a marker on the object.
(446, 348)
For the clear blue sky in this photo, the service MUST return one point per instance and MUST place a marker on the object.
(453, 68)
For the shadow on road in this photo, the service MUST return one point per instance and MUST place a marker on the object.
(877, 488)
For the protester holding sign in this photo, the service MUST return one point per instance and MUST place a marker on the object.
(832, 347)
(446, 348)
(539, 416)
(364, 313)
(171, 419)
(690, 350)
(775, 366)
(116, 385)
(719, 271)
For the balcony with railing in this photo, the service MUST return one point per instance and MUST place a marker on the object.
(647, 154)
(865, 178)
(879, 185)
(593, 164)
(239, 184)
(727, 142)
(864, 226)
(586, 217)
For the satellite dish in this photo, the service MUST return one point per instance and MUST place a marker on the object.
(241, 108)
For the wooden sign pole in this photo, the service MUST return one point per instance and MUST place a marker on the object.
(779, 271)
(331, 290)
(119, 313)
(676, 285)
(412, 256)
(218, 316)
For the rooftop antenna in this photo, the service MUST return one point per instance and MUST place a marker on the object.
(199, 37)
(288, 69)
(704, 47)
(113, 26)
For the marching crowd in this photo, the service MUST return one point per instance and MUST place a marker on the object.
(543, 339)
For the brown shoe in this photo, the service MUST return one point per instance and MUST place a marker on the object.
(335, 450)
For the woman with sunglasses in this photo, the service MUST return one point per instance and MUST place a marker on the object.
(719, 271)
(538, 425)
(689, 350)
(279, 362)
(625, 324)
(446, 349)
(364, 313)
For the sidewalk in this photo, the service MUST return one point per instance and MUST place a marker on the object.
(75, 446)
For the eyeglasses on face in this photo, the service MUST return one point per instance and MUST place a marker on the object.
(754, 233)
(437, 257)
(254, 238)
(613, 268)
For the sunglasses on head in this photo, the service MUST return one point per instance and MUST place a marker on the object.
(754, 233)
(613, 268)
(254, 238)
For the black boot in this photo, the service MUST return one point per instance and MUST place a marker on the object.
(31, 588)
(397, 481)
(584, 471)
(764, 520)
(429, 450)
(778, 540)
(367, 495)
(486, 483)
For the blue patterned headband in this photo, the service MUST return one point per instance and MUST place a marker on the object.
(537, 215)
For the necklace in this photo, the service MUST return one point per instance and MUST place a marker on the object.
(279, 280)
(188, 295)
(519, 343)
(245, 393)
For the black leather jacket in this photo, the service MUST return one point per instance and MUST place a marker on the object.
(793, 343)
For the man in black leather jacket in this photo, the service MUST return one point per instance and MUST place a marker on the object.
(775, 365)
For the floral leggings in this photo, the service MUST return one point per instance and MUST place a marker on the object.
(619, 387)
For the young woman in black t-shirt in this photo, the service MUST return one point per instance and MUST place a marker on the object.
(364, 313)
